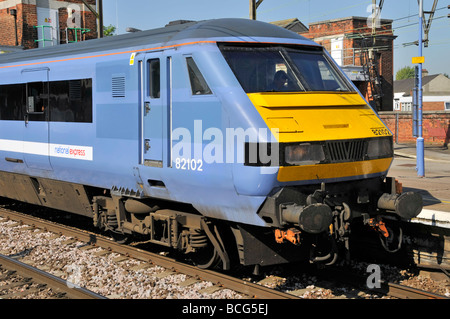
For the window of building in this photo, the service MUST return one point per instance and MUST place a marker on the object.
(198, 83)
(447, 106)
(406, 106)
(396, 105)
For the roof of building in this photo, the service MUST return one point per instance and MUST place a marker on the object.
(219, 28)
(407, 85)
(383, 21)
(294, 25)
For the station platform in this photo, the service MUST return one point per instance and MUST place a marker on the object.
(434, 186)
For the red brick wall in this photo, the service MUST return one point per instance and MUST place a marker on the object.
(435, 124)
(434, 106)
(6, 28)
(356, 26)
(329, 28)
(27, 19)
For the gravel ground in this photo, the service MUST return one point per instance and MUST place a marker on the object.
(313, 287)
(133, 279)
(103, 274)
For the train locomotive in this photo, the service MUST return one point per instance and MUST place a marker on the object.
(229, 140)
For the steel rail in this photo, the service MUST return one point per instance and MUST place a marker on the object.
(385, 288)
(405, 292)
(248, 288)
(48, 279)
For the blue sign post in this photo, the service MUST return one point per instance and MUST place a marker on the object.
(420, 153)
(415, 104)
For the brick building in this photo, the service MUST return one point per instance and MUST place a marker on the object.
(435, 91)
(436, 111)
(367, 59)
(37, 23)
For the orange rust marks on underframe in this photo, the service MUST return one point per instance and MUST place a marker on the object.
(379, 226)
(292, 235)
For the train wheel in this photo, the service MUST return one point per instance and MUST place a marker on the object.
(206, 257)
(119, 237)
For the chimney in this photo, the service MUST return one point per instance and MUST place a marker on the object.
(424, 72)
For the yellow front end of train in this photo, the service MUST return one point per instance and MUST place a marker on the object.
(309, 117)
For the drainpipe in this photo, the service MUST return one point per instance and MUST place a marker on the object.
(13, 12)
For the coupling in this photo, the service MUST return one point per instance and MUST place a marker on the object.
(406, 205)
(314, 218)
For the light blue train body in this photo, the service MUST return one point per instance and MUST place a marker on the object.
(137, 143)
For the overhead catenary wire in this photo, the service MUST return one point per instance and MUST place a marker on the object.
(386, 24)
(396, 25)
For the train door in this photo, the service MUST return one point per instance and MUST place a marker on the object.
(36, 133)
(154, 92)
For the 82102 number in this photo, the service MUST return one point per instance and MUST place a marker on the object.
(189, 164)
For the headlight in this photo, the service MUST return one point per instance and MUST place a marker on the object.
(380, 148)
(304, 154)
(322, 152)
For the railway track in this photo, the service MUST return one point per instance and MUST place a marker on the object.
(171, 266)
(385, 288)
(24, 281)
(219, 280)
(405, 292)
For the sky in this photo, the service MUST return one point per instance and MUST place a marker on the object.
(150, 14)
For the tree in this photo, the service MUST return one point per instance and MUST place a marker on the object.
(109, 30)
(407, 72)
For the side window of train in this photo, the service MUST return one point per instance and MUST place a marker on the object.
(71, 101)
(37, 100)
(198, 83)
(67, 101)
(154, 78)
(12, 102)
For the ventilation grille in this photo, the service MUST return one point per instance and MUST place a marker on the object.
(344, 151)
(118, 86)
